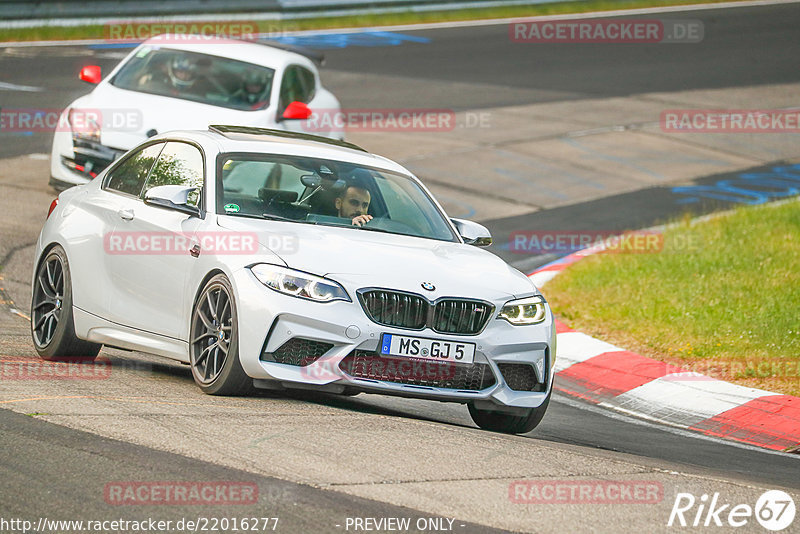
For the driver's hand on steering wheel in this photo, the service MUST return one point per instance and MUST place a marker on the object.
(361, 220)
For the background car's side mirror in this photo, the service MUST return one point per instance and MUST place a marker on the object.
(175, 197)
(91, 74)
(473, 233)
(296, 111)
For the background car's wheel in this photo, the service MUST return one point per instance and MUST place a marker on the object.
(214, 341)
(52, 325)
(507, 423)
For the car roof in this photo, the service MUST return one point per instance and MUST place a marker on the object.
(252, 133)
(255, 52)
(247, 139)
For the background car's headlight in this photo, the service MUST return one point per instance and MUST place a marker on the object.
(299, 284)
(85, 125)
(530, 310)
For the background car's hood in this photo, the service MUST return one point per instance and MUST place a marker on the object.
(360, 258)
(160, 113)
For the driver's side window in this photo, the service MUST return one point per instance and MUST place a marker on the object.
(130, 175)
(298, 85)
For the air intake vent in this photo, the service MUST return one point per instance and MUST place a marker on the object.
(469, 377)
(298, 351)
(520, 377)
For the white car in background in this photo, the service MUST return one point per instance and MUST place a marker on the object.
(186, 82)
(352, 280)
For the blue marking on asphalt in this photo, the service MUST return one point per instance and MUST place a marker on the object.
(112, 45)
(320, 42)
(783, 180)
(343, 40)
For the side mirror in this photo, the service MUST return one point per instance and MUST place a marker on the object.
(296, 111)
(90, 74)
(473, 233)
(174, 197)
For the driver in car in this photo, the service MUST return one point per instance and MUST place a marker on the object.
(353, 203)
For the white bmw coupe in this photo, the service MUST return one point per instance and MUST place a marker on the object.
(276, 260)
(179, 82)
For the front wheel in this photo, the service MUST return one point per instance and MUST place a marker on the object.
(507, 423)
(214, 341)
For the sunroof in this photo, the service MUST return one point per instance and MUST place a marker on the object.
(252, 133)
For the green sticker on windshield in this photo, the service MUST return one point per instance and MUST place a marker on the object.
(143, 52)
(231, 208)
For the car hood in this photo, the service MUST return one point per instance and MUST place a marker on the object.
(129, 115)
(360, 258)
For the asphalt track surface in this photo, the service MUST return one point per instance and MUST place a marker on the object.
(743, 47)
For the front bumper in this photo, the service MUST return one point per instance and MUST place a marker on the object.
(75, 163)
(343, 354)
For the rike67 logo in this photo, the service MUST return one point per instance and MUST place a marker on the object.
(774, 510)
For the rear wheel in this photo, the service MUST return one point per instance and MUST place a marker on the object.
(507, 423)
(214, 341)
(52, 324)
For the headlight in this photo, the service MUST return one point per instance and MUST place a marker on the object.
(299, 284)
(530, 310)
(85, 124)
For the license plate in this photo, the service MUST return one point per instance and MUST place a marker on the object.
(428, 349)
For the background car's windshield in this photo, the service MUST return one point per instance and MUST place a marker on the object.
(326, 192)
(199, 77)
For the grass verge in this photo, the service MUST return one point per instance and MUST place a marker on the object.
(728, 307)
(98, 31)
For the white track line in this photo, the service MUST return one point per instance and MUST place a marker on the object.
(5, 86)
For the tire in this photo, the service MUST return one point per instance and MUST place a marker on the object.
(507, 423)
(214, 341)
(52, 322)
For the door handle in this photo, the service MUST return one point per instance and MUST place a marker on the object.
(126, 215)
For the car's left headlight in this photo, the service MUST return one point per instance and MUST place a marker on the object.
(530, 310)
(299, 284)
(85, 125)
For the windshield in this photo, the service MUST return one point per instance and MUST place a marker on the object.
(198, 77)
(326, 192)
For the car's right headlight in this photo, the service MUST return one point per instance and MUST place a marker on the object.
(529, 310)
(299, 284)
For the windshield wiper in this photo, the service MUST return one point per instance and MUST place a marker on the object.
(267, 216)
(272, 217)
(373, 229)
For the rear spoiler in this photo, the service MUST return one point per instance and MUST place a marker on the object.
(313, 55)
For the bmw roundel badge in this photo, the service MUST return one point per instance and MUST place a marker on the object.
(428, 286)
